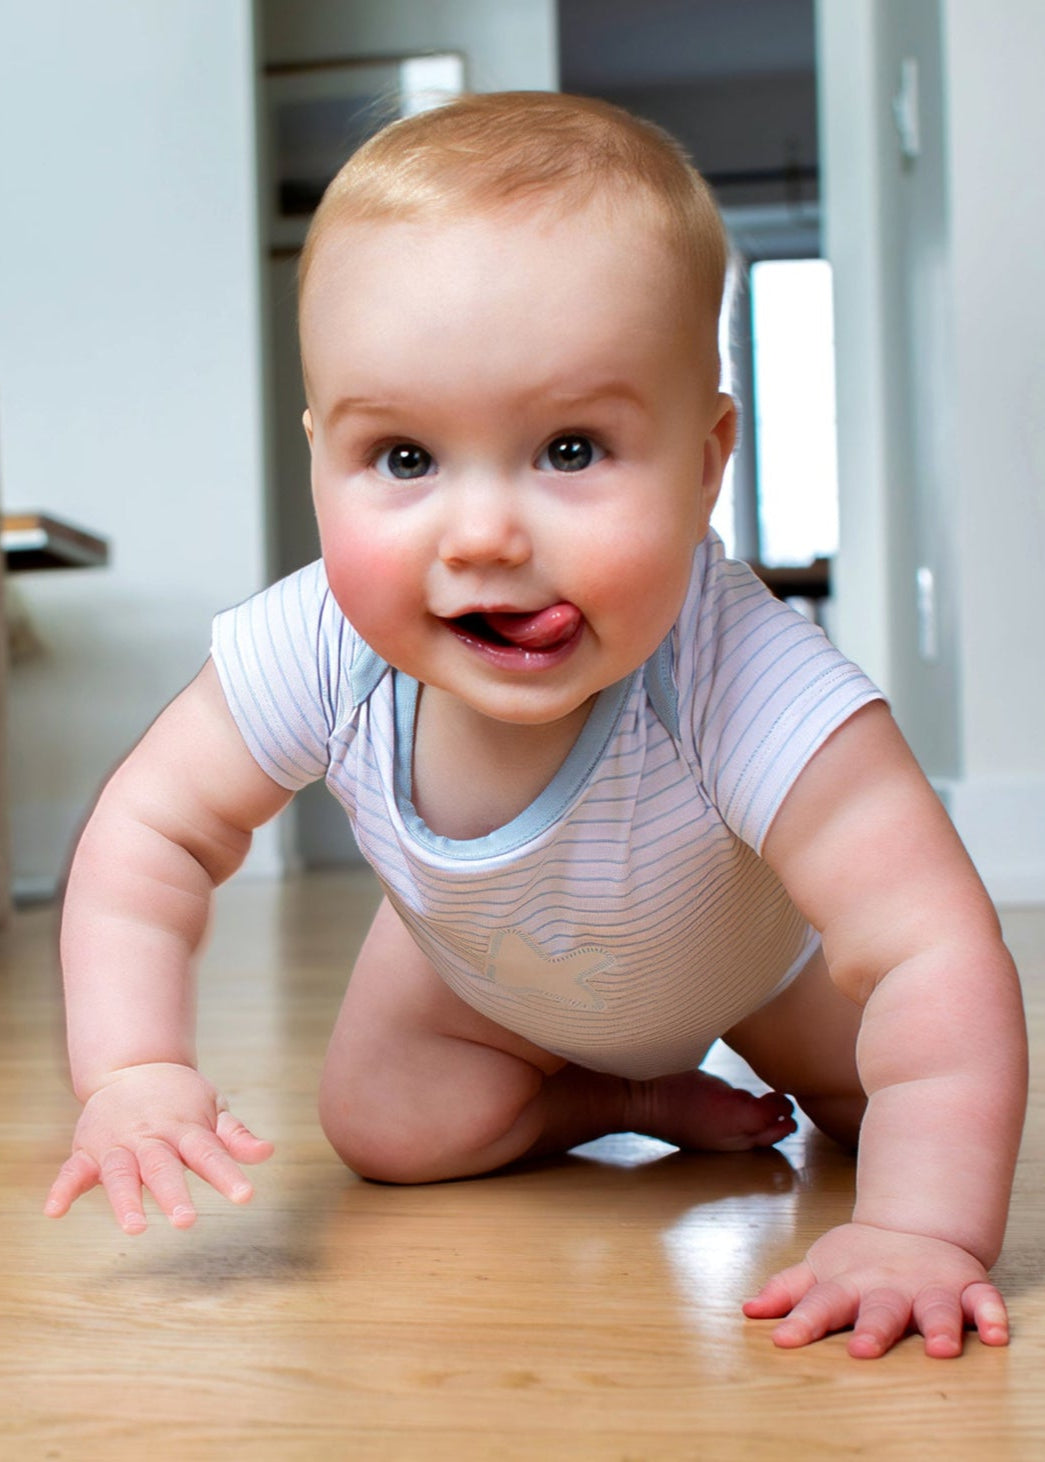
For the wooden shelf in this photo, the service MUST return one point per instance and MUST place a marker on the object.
(33, 541)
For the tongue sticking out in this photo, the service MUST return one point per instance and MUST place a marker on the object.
(546, 629)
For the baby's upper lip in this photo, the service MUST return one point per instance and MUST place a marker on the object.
(494, 606)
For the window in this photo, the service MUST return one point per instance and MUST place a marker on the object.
(783, 372)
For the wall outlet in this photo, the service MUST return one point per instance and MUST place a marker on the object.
(905, 110)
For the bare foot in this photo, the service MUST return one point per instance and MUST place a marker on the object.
(703, 1113)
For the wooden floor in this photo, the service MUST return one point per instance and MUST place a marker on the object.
(583, 1309)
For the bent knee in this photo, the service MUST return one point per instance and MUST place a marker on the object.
(373, 1144)
(389, 1137)
(370, 1152)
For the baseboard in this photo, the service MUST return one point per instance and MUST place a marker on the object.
(1001, 821)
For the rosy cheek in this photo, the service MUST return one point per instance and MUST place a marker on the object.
(365, 574)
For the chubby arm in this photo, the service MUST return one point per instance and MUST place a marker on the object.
(174, 821)
(867, 852)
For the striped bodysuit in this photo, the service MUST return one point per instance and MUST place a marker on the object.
(625, 920)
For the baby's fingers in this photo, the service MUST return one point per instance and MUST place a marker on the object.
(813, 1309)
(163, 1175)
(121, 1178)
(984, 1308)
(240, 1141)
(885, 1314)
(941, 1316)
(78, 1175)
(827, 1307)
(937, 1313)
(204, 1152)
(779, 1295)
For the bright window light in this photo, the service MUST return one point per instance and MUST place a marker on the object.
(429, 81)
(723, 519)
(794, 402)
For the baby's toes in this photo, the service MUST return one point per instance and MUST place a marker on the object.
(774, 1116)
(701, 1113)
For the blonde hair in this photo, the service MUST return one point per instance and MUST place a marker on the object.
(484, 152)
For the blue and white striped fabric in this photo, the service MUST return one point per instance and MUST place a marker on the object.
(625, 919)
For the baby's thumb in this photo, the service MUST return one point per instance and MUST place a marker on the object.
(240, 1142)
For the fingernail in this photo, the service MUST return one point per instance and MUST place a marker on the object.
(134, 1223)
(183, 1216)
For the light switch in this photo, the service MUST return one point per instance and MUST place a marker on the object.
(905, 110)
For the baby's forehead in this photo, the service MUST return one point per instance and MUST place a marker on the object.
(535, 296)
(483, 270)
(523, 229)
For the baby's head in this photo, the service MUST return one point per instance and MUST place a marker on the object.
(493, 152)
(509, 324)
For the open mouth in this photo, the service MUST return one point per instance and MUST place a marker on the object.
(540, 632)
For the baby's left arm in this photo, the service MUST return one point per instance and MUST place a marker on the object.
(869, 855)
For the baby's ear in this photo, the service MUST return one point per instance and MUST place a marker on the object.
(306, 422)
(724, 429)
(718, 447)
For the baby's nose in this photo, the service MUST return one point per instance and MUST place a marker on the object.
(484, 525)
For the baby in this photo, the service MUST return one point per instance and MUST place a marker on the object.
(622, 802)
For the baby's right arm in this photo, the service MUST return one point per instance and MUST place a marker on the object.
(174, 821)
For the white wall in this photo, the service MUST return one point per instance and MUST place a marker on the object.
(886, 233)
(997, 122)
(130, 369)
(940, 320)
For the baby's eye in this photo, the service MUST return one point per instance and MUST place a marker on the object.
(405, 462)
(571, 452)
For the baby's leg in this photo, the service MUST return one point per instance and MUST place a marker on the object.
(418, 1086)
(804, 1043)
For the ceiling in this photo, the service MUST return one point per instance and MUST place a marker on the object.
(616, 44)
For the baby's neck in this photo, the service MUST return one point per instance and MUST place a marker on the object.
(471, 774)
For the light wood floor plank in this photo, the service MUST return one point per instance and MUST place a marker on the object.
(586, 1309)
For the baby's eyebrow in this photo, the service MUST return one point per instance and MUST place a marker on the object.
(596, 391)
(359, 406)
(603, 393)
(567, 398)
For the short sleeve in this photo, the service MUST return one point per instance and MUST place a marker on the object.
(763, 689)
(280, 657)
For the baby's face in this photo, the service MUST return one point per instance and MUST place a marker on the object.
(515, 450)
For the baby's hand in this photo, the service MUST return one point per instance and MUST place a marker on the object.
(145, 1126)
(883, 1284)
